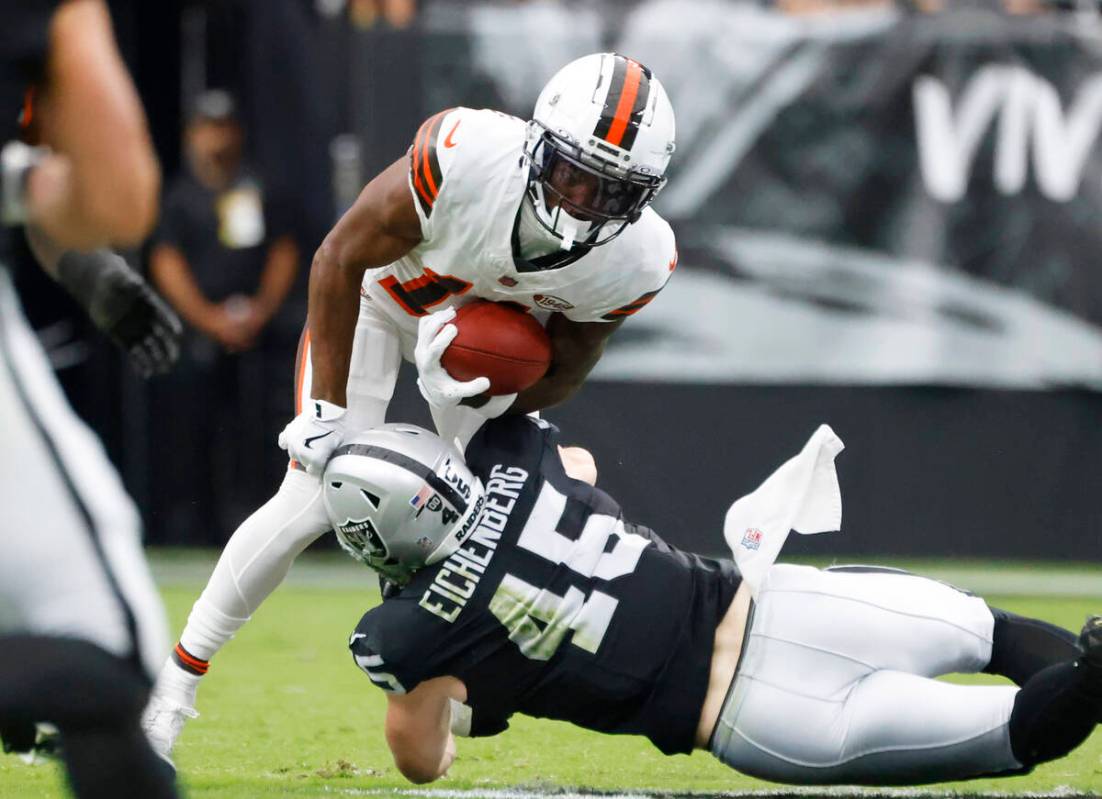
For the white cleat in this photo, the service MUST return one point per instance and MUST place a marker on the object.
(162, 723)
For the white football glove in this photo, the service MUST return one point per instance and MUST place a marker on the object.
(434, 334)
(311, 437)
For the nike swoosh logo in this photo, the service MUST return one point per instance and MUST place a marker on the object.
(448, 139)
(307, 442)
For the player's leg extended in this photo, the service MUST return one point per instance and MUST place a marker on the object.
(829, 689)
(884, 618)
(260, 552)
(1020, 647)
(95, 699)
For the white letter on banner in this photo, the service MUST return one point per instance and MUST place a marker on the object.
(947, 145)
(1061, 146)
(1015, 122)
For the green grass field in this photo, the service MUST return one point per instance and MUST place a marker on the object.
(286, 713)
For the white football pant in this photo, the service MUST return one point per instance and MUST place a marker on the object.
(835, 683)
(71, 537)
(260, 552)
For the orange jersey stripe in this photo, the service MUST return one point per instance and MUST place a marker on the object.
(433, 125)
(623, 107)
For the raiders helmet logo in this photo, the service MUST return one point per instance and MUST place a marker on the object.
(363, 536)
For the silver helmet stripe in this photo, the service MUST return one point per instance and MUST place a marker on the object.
(448, 492)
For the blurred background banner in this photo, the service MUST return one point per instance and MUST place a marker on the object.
(861, 198)
(887, 220)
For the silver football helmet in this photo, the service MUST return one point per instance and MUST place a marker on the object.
(400, 498)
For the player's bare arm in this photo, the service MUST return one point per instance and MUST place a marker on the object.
(575, 349)
(380, 227)
(99, 183)
(418, 728)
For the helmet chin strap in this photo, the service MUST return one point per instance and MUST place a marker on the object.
(535, 239)
(569, 230)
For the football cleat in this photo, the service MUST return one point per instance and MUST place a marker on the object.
(1090, 641)
(162, 723)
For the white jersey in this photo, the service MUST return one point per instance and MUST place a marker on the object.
(468, 175)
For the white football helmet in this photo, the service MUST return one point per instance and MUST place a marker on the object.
(598, 144)
(400, 498)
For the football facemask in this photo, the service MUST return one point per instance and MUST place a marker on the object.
(582, 199)
(598, 145)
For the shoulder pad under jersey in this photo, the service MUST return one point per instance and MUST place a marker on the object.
(456, 158)
(643, 259)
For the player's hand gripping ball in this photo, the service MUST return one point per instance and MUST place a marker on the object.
(499, 341)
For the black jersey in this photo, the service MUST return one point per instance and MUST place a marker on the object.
(24, 40)
(555, 606)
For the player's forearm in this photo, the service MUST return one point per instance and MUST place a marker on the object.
(575, 349)
(101, 185)
(82, 215)
(553, 389)
(334, 304)
(569, 368)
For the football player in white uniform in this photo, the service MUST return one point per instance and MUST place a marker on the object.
(552, 214)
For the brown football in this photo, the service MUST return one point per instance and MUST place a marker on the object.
(500, 341)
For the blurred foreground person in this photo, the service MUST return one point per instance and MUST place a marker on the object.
(81, 624)
(552, 214)
(224, 257)
(520, 588)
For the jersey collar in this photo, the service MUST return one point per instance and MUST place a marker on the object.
(544, 263)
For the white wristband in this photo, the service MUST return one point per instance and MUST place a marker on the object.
(16, 162)
(461, 718)
(325, 411)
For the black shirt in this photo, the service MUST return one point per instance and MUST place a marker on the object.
(223, 235)
(555, 606)
(24, 41)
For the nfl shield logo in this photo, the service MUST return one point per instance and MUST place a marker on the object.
(751, 539)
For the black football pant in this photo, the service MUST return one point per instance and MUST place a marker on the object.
(96, 700)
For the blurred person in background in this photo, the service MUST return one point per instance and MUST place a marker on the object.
(226, 259)
(79, 614)
(394, 13)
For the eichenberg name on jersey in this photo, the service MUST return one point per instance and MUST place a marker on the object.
(457, 578)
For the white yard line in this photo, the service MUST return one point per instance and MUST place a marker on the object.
(1063, 792)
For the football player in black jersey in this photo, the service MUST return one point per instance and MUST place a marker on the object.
(81, 624)
(520, 588)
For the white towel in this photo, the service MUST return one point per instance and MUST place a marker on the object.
(802, 495)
